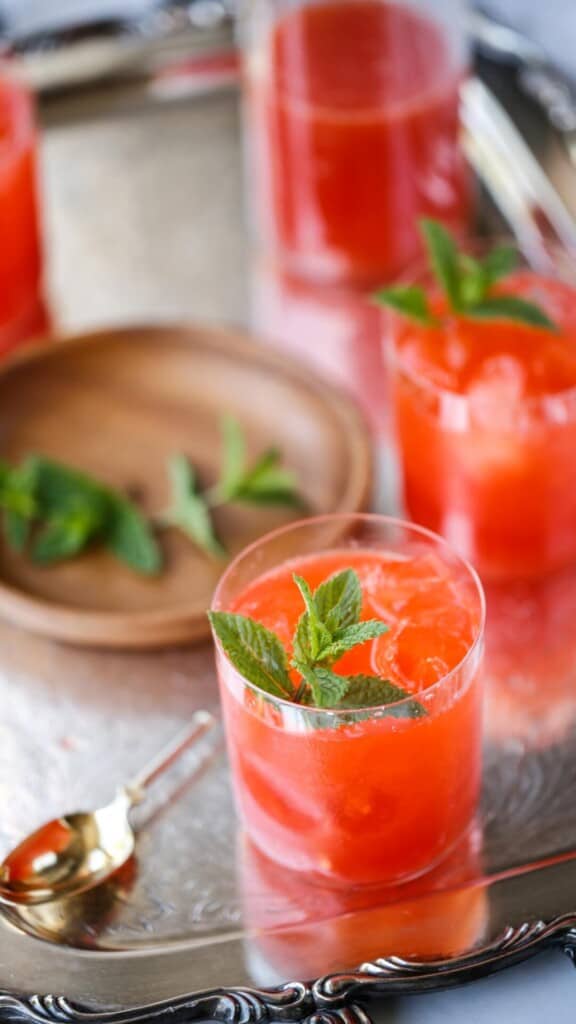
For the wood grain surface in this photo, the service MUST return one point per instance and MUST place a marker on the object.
(117, 404)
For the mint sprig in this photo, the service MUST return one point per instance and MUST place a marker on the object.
(264, 482)
(467, 284)
(57, 512)
(328, 628)
(54, 512)
(189, 510)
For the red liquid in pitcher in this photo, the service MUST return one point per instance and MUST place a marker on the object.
(354, 110)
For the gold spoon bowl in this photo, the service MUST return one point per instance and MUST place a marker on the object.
(80, 851)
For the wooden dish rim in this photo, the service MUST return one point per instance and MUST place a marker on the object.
(178, 624)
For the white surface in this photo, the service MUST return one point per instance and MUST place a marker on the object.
(542, 990)
(24, 16)
(552, 24)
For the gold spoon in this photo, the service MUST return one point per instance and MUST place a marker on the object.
(79, 851)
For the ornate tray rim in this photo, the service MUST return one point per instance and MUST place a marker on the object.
(332, 999)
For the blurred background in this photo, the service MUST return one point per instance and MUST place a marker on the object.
(140, 155)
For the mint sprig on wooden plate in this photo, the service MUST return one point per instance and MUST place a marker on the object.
(54, 512)
(328, 628)
(467, 283)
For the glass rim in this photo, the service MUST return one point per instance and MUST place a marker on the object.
(358, 517)
(414, 274)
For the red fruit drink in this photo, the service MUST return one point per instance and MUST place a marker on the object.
(353, 131)
(486, 428)
(22, 309)
(365, 796)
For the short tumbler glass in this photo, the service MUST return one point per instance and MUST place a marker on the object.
(355, 797)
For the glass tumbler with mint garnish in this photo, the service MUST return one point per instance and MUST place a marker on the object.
(483, 353)
(348, 654)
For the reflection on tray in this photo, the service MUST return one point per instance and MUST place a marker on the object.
(531, 660)
(189, 886)
(297, 929)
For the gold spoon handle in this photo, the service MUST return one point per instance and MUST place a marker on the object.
(202, 723)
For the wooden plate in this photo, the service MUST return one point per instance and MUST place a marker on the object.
(117, 403)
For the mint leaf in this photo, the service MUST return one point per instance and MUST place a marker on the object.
(411, 301)
(69, 531)
(16, 530)
(477, 277)
(351, 636)
(373, 692)
(255, 652)
(473, 280)
(444, 259)
(189, 510)
(311, 632)
(499, 263)
(338, 600)
(58, 486)
(510, 307)
(128, 535)
(233, 458)
(267, 483)
(466, 283)
(59, 540)
(328, 629)
(18, 499)
(263, 483)
(301, 641)
(77, 509)
(327, 687)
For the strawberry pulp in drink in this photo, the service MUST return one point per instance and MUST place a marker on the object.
(486, 429)
(378, 795)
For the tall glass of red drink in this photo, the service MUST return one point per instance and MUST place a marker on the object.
(486, 424)
(366, 796)
(22, 308)
(352, 132)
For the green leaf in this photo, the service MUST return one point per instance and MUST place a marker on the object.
(339, 600)
(78, 509)
(499, 263)
(301, 646)
(69, 531)
(267, 483)
(18, 499)
(473, 280)
(373, 692)
(255, 652)
(233, 458)
(510, 307)
(311, 632)
(351, 636)
(444, 259)
(58, 486)
(477, 277)
(328, 688)
(263, 483)
(411, 301)
(59, 540)
(128, 535)
(189, 510)
(16, 530)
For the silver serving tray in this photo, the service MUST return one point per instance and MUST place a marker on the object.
(196, 913)
(201, 913)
